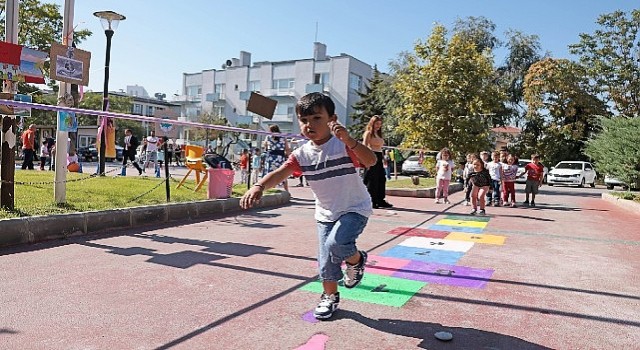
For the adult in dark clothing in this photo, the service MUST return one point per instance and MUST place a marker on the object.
(374, 176)
(131, 144)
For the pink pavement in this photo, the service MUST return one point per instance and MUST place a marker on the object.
(566, 277)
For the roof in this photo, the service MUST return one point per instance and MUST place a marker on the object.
(507, 130)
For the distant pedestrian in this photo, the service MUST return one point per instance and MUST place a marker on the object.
(444, 169)
(177, 154)
(28, 147)
(244, 165)
(468, 169)
(151, 151)
(44, 154)
(256, 166)
(510, 172)
(131, 144)
(481, 180)
(387, 164)
(535, 171)
(343, 205)
(495, 170)
(374, 177)
(277, 150)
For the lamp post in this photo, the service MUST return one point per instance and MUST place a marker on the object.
(109, 20)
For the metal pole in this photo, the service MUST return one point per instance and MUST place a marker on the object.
(105, 103)
(166, 168)
(8, 127)
(64, 90)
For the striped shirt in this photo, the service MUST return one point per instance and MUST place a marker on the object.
(330, 169)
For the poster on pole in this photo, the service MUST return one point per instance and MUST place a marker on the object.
(67, 121)
(69, 64)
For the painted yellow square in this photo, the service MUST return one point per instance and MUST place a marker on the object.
(477, 238)
(462, 223)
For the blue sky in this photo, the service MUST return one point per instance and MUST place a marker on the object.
(162, 39)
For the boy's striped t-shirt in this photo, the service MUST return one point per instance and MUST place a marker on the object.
(330, 169)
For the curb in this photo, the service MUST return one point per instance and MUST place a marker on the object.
(421, 192)
(622, 203)
(33, 229)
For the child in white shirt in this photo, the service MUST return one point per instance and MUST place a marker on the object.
(444, 168)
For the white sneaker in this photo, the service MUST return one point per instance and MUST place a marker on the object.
(466, 203)
(446, 201)
(437, 201)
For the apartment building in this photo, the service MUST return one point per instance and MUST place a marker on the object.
(224, 92)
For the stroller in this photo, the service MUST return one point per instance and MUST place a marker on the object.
(217, 161)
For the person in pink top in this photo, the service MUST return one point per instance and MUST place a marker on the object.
(444, 168)
(510, 172)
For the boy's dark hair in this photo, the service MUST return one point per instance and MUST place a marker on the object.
(309, 103)
(535, 155)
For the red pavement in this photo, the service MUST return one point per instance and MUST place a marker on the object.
(567, 277)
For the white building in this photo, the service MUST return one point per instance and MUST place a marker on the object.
(224, 92)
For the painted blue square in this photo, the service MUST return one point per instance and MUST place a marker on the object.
(456, 228)
(423, 254)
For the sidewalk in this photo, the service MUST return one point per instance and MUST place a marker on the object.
(563, 275)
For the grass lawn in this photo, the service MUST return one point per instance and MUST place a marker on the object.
(425, 182)
(97, 193)
(632, 196)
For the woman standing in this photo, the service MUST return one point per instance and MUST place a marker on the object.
(374, 177)
(277, 150)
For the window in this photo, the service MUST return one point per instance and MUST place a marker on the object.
(149, 111)
(283, 84)
(355, 82)
(218, 111)
(137, 109)
(285, 109)
(321, 78)
(194, 90)
(218, 91)
(254, 85)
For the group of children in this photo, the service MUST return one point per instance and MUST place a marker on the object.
(492, 182)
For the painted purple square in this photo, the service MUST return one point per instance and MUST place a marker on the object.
(452, 275)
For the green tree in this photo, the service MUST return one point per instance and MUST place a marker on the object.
(523, 51)
(611, 56)
(562, 111)
(373, 101)
(40, 24)
(446, 89)
(480, 30)
(616, 149)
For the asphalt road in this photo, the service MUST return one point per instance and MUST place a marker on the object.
(563, 275)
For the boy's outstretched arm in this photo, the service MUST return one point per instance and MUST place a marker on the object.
(254, 194)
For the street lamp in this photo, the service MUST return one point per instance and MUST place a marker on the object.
(109, 20)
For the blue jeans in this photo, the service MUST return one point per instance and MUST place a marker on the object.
(336, 242)
(495, 187)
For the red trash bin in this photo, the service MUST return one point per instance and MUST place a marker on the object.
(220, 183)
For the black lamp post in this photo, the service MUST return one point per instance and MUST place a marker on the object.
(109, 20)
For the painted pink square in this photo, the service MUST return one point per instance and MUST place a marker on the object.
(418, 232)
(386, 266)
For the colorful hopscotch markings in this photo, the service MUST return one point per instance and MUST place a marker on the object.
(476, 238)
(453, 275)
(468, 218)
(462, 223)
(440, 244)
(450, 228)
(417, 232)
(424, 254)
(383, 265)
(376, 289)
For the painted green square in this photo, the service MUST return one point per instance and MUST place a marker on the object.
(395, 292)
(469, 218)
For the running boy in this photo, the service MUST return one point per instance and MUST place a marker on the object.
(534, 172)
(343, 205)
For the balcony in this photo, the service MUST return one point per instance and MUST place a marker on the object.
(309, 88)
(187, 99)
(279, 92)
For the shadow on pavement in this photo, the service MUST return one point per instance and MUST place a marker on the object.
(588, 192)
(463, 338)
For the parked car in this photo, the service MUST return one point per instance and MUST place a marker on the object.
(572, 173)
(412, 166)
(88, 153)
(612, 182)
(521, 175)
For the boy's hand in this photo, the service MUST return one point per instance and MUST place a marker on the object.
(251, 197)
(339, 131)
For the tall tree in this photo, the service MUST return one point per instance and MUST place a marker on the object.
(616, 149)
(562, 111)
(446, 90)
(479, 30)
(523, 51)
(611, 56)
(371, 103)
